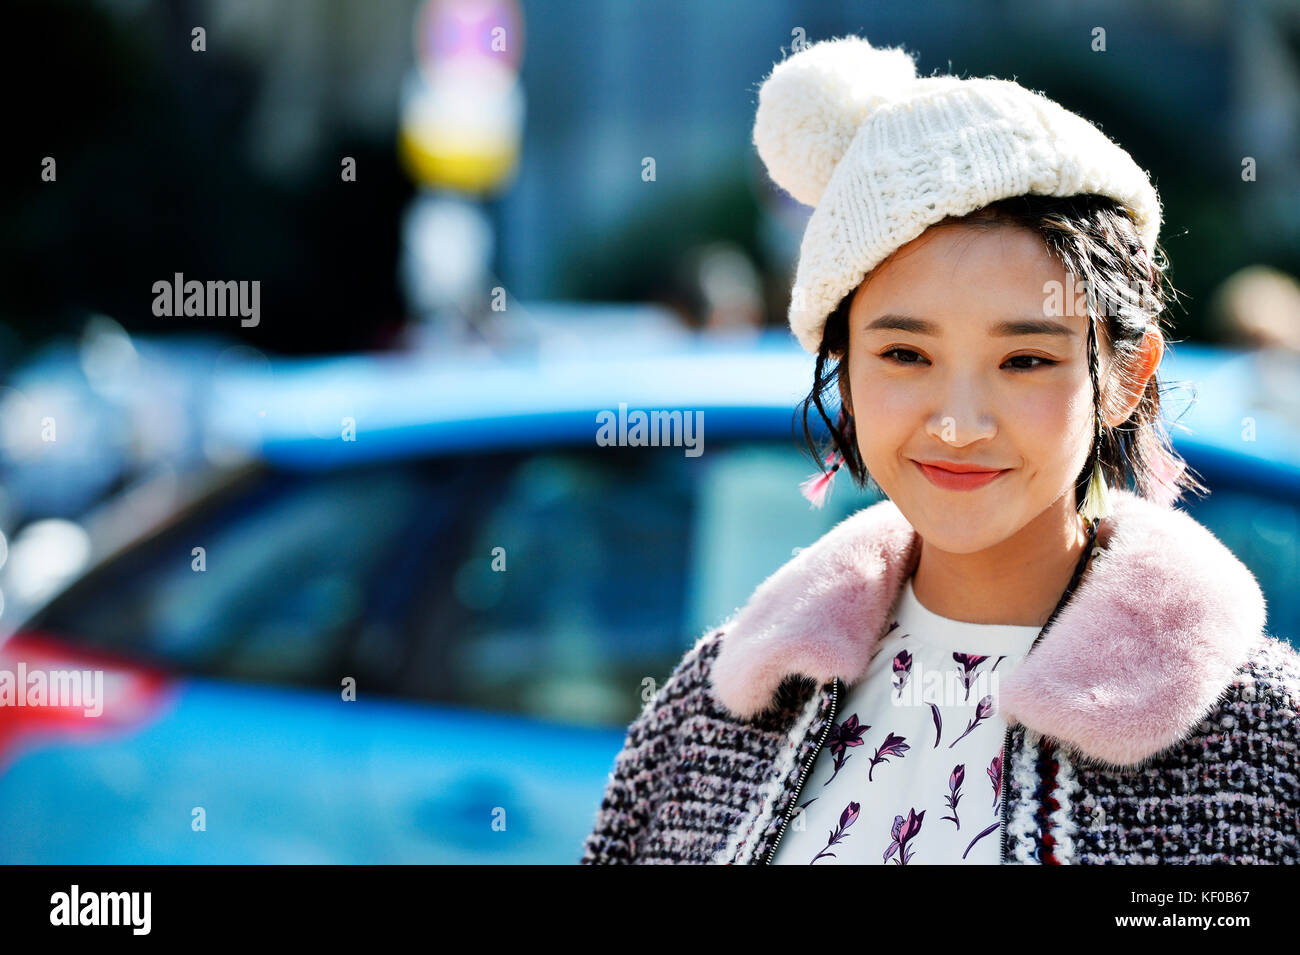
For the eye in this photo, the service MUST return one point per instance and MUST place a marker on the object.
(1042, 362)
(900, 351)
(916, 359)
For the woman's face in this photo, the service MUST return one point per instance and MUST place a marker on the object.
(934, 377)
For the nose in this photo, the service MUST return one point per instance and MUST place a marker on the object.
(961, 416)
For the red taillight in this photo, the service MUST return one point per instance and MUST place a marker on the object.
(49, 687)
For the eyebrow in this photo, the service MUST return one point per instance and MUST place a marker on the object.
(1018, 326)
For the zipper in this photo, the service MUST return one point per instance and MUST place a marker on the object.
(1006, 791)
(803, 775)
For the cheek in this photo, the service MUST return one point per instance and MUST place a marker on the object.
(1053, 422)
(1046, 411)
(895, 412)
(890, 399)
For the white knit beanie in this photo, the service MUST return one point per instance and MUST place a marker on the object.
(883, 154)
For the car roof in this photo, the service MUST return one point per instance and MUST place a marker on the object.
(292, 412)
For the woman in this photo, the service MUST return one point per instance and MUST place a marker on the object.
(1013, 657)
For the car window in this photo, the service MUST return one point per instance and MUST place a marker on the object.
(289, 566)
(750, 520)
(551, 583)
(595, 570)
(574, 578)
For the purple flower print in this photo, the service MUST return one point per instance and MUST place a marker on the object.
(995, 777)
(954, 794)
(981, 836)
(892, 746)
(842, 736)
(902, 832)
(983, 711)
(847, 818)
(995, 665)
(968, 663)
(938, 724)
(902, 670)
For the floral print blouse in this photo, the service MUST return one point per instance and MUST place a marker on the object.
(912, 771)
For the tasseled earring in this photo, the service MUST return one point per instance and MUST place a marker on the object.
(817, 487)
(1096, 503)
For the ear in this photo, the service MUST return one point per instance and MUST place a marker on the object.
(1153, 350)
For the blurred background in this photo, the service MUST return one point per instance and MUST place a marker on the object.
(331, 520)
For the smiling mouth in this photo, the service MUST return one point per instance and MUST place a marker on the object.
(958, 481)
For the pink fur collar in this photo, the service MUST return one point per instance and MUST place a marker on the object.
(1144, 648)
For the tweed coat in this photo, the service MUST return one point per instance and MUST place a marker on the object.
(1155, 721)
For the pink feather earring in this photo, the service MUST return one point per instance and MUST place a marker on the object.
(817, 487)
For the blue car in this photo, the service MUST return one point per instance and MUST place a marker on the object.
(408, 613)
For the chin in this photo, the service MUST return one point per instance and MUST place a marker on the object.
(960, 530)
(960, 543)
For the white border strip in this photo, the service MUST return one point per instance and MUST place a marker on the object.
(1021, 825)
(1062, 821)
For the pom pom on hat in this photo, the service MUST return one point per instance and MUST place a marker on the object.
(812, 104)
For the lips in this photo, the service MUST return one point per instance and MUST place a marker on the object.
(968, 478)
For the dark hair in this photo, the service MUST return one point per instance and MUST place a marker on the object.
(1127, 292)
